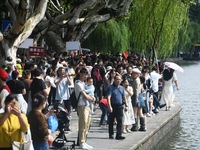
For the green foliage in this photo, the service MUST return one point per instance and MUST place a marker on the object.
(160, 24)
(110, 37)
(156, 24)
(190, 34)
(194, 13)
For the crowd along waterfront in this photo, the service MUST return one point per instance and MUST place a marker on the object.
(187, 137)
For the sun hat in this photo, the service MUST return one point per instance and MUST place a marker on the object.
(109, 68)
(136, 70)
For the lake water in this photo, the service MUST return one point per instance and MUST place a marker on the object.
(188, 135)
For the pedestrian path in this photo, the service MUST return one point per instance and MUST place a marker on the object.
(98, 136)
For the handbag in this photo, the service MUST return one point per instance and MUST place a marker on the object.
(22, 146)
(26, 145)
(141, 102)
(53, 123)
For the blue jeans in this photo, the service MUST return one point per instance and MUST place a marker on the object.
(41, 146)
(104, 110)
(147, 101)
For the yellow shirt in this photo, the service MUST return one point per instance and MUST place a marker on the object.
(10, 130)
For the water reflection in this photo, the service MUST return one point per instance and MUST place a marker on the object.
(188, 135)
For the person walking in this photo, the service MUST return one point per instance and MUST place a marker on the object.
(154, 79)
(116, 99)
(167, 91)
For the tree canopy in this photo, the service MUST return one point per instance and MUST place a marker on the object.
(56, 21)
(150, 25)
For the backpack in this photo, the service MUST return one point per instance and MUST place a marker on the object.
(74, 100)
(96, 75)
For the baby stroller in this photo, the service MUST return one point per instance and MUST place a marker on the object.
(61, 141)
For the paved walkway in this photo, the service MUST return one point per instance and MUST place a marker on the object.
(98, 136)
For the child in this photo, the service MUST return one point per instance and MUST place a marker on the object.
(89, 89)
(103, 104)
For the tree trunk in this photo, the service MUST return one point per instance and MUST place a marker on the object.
(22, 27)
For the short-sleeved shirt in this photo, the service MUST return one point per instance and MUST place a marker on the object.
(154, 77)
(116, 94)
(62, 90)
(16, 86)
(11, 130)
(37, 85)
(38, 126)
(79, 86)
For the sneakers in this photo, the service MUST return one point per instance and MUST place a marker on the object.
(90, 147)
(151, 113)
(155, 111)
(148, 115)
(172, 105)
(124, 131)
(85, 146)
(128, 130)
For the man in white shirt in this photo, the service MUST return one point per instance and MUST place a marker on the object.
(154, 79)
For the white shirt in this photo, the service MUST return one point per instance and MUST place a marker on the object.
(70, 72)
(4, 93)
(62, 90)
(154, 77)
(79, 87)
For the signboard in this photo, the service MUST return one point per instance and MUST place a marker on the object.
(75, 45)
(36, 51)
(6, 26)
(27, 43)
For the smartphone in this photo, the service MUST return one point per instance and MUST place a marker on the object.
(16, 104)
(66, 69)
(55, 107)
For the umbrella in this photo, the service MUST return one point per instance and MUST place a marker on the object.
(173, 66)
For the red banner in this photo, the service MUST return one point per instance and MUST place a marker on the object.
(36, 51)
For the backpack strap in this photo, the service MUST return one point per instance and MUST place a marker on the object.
(79, 95)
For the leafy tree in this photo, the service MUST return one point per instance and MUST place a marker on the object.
(110, 37)
(56, 21)
(155, 25)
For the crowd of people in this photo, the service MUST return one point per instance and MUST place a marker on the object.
(125, 87)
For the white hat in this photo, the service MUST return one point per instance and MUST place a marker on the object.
(109, 68)
(18, 60)
(136, 70)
